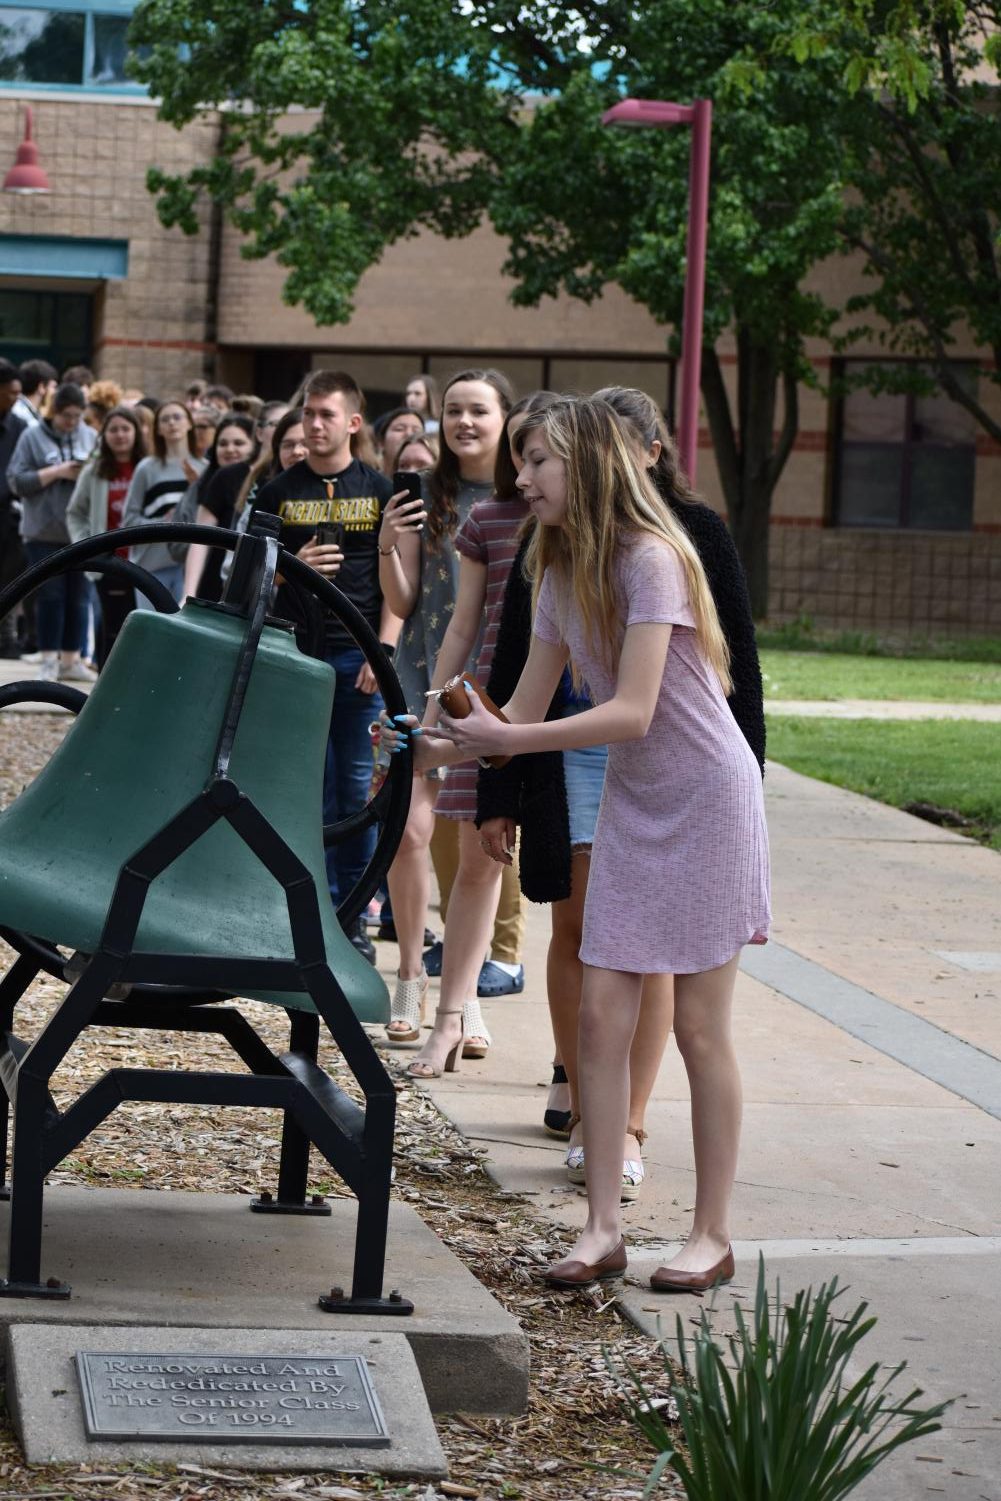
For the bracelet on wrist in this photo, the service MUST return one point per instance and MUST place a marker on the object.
(386, 552)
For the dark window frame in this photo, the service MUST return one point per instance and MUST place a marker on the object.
(90, 11)
(906, 446)
(58, 348)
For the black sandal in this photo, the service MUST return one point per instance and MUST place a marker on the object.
(557, 1122)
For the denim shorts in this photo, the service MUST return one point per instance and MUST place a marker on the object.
(584, 772)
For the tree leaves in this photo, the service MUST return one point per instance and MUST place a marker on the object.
(400, 116)
(862, 126)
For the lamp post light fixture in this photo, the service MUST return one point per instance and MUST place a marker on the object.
(662, 113)
(26, 176)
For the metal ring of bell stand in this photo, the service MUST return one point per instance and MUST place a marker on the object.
(391, 804)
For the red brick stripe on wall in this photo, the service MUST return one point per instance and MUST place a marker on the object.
(155, 344)
(808, 441)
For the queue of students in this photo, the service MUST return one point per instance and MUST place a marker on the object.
(551, 548)
(677, 880)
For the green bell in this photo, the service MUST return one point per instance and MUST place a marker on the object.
(141, 749)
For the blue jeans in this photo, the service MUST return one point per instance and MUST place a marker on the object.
(584, 773)
(62, 606)
(348, 771)
(172, 578)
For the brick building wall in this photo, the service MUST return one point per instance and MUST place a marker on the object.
(149, 329)
(871, 579)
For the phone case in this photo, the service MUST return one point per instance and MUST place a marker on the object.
(455, 701)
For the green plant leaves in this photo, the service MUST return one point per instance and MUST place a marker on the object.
(775, 1414)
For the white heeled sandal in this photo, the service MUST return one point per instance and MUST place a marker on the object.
(407, 1010)
(477, 1038)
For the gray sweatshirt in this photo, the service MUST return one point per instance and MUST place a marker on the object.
(43, 516)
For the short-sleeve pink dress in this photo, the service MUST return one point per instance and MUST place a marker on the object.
(679, 869)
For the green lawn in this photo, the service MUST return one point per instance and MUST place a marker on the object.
(828, 675)
(954, 764)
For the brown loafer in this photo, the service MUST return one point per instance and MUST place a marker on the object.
(580, 1273)
(664, 1280)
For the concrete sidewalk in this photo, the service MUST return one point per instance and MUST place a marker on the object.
(869, 1032)
(880, 708)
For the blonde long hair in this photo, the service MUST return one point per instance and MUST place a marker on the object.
(608, 497)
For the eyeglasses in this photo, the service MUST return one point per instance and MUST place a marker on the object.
(287, 445)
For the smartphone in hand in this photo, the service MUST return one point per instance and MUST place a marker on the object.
(330, 534)
(410, 481)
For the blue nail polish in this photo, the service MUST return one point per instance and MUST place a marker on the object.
(468, 686)
(416, 730)
(401, 718)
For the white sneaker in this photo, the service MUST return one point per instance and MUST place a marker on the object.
(31, 656)
(78, 672)
(47, 670)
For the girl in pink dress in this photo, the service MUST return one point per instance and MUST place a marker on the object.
(679, 871)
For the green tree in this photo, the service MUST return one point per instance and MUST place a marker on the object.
(433, 114)
(583, 206)
(922, 134)
(422, 122)
(401, 131)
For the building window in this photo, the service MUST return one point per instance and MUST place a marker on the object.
(82, 47)
(53, 326)
(904, 460)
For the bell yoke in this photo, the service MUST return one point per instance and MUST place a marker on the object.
(174, 842)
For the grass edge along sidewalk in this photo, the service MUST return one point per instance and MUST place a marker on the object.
(953, 766)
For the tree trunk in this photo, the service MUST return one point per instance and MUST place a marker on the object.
(750, 455)
(751, 535)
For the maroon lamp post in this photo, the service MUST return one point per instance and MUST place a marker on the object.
(26, 176)
(660, 112)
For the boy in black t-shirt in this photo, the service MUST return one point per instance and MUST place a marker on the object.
(330, 488)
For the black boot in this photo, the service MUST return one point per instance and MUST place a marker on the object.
(358, 937)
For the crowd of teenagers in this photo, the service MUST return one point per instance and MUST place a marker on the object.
(550, 549)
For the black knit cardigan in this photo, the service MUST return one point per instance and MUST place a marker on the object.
(531, 789)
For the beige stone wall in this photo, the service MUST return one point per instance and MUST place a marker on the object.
(429, 294)
(150, 329)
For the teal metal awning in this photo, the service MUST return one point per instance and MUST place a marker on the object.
(60, 255)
